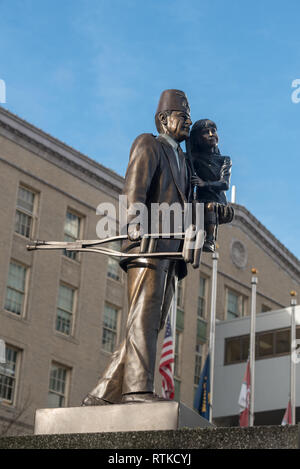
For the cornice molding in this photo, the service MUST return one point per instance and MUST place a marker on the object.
(267, 241)
(83, 167)
(51, 149)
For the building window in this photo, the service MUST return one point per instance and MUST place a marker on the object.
(237, 349)
(283, 341)
(201, 330)
(15, 290)
(110, 328)
(65, 309)
(232, 305)
(177, 384)
(72, 232)
(8, 375)
(180, 319)
(113, 268)
(201, 311)
(273, 343)
(268, 344)
(177, 354)
(235, 307)
(25, 212)
(180, 294)
(198, 363)
(58, 386)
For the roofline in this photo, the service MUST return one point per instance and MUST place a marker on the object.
(52, 145)
(267, 314)
(242, 216)
(39, 137)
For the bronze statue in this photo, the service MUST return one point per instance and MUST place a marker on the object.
(212, 178)
(157, 172)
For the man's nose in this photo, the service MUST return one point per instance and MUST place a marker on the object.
(189, 121)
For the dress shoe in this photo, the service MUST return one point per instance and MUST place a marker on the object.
(142, 397)
(209, 246)
(93, 400)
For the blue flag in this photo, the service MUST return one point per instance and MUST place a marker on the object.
(202, 397)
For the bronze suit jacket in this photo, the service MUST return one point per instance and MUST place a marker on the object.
(153, 177)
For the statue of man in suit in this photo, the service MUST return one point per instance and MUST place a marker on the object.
(157, 173)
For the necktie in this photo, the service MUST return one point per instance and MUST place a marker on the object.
(182, 166)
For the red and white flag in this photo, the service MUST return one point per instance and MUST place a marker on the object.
(166, 363)
(287, 418)
(244, 399)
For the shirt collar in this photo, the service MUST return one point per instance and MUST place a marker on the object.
(170, 140)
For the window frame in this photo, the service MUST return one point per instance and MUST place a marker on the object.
(177, 389)
(241, 338)
(33, 215)
(116, 332)
(204, 298)
(115, 261)
(198, 354)
(274, 354)
(67, 384)
(69, 254)
(12, 403)
(180, 299)
(242, 304)
(178, 354)
(25, 293)
(73, 313)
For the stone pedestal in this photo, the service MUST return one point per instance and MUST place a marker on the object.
(117, 418)
(273, 437)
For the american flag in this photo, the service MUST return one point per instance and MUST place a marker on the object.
(287, 418)
(244, 399)
(166, 362)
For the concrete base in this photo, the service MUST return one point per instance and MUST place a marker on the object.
(273, 437)
(117, 418)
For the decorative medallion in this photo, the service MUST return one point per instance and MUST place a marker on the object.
(239, 254)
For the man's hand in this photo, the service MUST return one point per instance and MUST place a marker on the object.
(196, 181)
(134, 233)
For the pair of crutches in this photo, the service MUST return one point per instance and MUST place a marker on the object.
(193, 241)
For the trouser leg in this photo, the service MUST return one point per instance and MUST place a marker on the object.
(149, 294)
(109, 387)
(131, 367)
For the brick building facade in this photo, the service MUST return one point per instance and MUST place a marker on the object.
(62, 315)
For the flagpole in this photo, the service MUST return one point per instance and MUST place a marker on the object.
(215, 257)
(252, 344)
(293, 364)
(233, 194)
(173, 316)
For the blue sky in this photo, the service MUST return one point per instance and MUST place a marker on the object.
(90, 73)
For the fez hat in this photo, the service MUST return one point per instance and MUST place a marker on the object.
(173, 100)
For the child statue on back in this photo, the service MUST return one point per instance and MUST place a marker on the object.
(211, 178)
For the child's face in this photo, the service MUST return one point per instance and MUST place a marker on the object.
(208, 137)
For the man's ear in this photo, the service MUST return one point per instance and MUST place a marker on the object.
(163, 118)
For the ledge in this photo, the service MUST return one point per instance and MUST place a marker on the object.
(271, 437)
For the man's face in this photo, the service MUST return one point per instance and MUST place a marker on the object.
(208, 137)
(178, 124)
